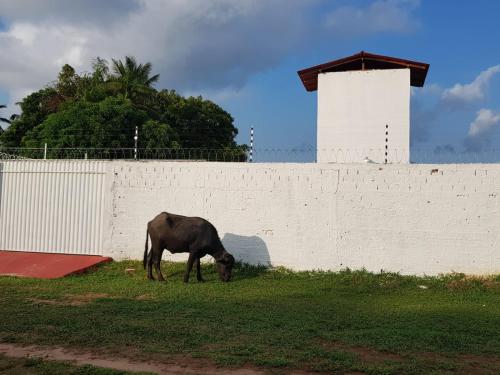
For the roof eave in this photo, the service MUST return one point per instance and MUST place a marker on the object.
(309, 76)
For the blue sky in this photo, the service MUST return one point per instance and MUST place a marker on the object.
(244, 54)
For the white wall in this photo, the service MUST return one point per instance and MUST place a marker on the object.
(354, 108)
(413, 219)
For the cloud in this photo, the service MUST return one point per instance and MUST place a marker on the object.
(458, 97)
(195, 45)
(75, 11)
(431, 89)
(471, 92)
(481, 130)
(380, 16)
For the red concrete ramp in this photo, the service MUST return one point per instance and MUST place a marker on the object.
(45, 265)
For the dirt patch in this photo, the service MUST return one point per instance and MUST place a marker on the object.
(83, 299)
(71, 299)
(477, 359)
(186, 365)
(367, 355)
(144, 297)
(41, 301)
(178, 365)
(467, 363)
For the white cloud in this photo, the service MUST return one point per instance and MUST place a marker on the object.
(194, 45)
(459, 97)
(481, 129)
(380, 16)
(25, 33)
(471, 92)
(205, 46)
(431, 89)
(485, 120)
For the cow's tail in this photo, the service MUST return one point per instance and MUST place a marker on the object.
(145, 259)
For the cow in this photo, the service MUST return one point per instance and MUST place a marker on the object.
(182, 234)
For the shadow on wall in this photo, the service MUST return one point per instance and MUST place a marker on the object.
(247, 249)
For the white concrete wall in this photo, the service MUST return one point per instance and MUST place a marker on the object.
(413, 219)
(353, 110)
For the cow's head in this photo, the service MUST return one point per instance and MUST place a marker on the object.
(224, 266)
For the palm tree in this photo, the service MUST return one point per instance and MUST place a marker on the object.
(3, 119)
(131, 79)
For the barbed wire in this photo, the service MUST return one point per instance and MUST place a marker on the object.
(277, 155)
(230, 155)
(6, 156)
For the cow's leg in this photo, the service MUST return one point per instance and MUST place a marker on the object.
(156, 251)
(189, 267)
(158, 266)
(198, 271)
(151, 256)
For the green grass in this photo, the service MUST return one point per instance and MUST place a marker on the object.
(275, 319)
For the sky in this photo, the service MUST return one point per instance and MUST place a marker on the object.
(245, 54)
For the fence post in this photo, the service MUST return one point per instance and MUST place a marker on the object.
(45, 151)
(136, 137)
(251, 144)
(386, 142)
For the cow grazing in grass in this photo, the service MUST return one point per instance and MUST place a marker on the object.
(182, 234)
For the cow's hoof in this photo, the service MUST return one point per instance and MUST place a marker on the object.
(201, 280)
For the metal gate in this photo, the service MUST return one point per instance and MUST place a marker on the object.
(52, 206)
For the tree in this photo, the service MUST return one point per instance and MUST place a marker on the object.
(101, 109)
(156, 135)
(92, 87)
(200, 123)
(35, 109)
(108, 123)
(132, 80)
(3, 119)
(66, 85)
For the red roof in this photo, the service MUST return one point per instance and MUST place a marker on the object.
(364, 61)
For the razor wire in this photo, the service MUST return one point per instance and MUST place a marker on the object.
(6, 156)
(259, 155)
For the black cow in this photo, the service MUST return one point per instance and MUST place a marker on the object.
(182, 234)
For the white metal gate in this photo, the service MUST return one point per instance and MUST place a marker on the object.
(52, 206)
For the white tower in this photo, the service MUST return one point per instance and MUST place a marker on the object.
(364, 107)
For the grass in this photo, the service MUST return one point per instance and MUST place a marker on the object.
(276, 319)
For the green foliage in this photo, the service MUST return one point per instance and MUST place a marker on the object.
(107, 123)
(155, 134)
(131, 79)
(35, 109)
(201, 123)
(101, 109)
(66, 84)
